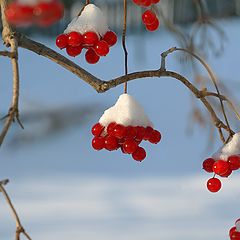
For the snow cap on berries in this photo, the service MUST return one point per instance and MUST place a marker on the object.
(91, 19)
(127, 111)
(32, 2)
(229, 149)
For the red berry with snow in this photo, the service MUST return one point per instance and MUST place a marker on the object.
(97, 129)
(75, 39)
(214, 185)
(140, 133)
(111, 143)
(98, 143)
(110, 37)
(90, 38)
(130, 146)
(73, 51)
(119, 131)
(234, 162)
(91, 56)
(220, 167)
(139, 154)
(110, 127)
(101, 48)
(231, 231)
(235, 236)
(155, 137)
(226, 174)
(148, 132)
(208, 165)
(62, 41)
(131, 132)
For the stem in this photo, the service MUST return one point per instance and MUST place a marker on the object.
(124, 42)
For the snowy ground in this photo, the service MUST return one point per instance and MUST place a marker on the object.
(65, 190)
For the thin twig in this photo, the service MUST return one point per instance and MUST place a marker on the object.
(124, 42)
(10, 41)
(19, 227)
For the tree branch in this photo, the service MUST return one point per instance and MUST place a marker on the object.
(10, 41)
(102, 86)
(19, 228)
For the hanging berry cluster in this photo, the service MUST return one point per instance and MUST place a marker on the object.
(149, 17)
(89, 31)
(124, 126)
(234, 232)
(39, 12)
(223, 163)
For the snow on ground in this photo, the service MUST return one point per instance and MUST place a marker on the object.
(66, 207)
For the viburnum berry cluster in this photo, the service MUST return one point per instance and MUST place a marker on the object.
(149, 17)
(39, 12)
(124, 126)
(223, 163)
(234, 232)
(89, 31)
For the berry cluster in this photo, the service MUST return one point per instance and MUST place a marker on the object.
(42, 14)
(234, 233)
(221, 168)
(127, 138)
(96, 46)
(149, 18)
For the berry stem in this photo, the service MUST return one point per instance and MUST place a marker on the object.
(124, 42)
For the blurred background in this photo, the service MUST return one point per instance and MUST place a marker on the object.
(63, 189)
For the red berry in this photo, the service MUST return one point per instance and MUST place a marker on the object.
(119, 131)
(220, 167)
(148, 132)
(231, 231)
(110, 127)
(140, 133)
(155, 137)
(98, 143)
(153, 27)
(149, 17)
(97, 129)
(235, 236)
(74, 51)
(208, 164)
(234, 162)
(111, 143)
(139, 154)
(101, 48)
(91, 57)
(146, 3)
(138, 2)
(110, 37)
(75, 39)
(130, 146)
(226, 174)
(90, 38)
(214, 184)
(62, 41)
(131, 132)
(155, 1)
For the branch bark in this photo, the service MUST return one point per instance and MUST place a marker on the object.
(10, 41)
(19, 228)
(102, 86)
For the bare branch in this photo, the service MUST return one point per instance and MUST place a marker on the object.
(103, 86)
(19, 227)
(10, 41)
